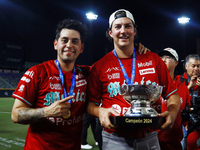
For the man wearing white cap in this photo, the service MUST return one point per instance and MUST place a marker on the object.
(172, 139)
(124, 65)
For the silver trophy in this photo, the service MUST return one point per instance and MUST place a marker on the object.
(141, 97)
(140, 114)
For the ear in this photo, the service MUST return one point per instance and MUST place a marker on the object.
(55, 44)
(110, 33)
(135, 31)
(185, 66)
(82, 48)
(176, 63)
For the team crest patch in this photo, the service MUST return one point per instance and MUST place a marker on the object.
(147, 71)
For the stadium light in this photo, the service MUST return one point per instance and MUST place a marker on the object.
(183, 20)
(91, 16)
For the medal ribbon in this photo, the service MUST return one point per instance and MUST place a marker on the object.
(62, 81)
(124, 70)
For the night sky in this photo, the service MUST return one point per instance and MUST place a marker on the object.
(32, 24)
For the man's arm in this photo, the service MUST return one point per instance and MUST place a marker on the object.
(23, 114)
(102, 113)
(141, 49)
(173, 105)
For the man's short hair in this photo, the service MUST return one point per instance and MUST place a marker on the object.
(74, 25)
(193, 56)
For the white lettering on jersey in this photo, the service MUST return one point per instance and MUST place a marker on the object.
(29, 73)
(69, 121)
(54, 77)
(147, 71)
(56, 86)
(27, 80)
(21, 88)
(113, 68)
(114, 76)
(181, 99)
(81, 83)
(146, 64)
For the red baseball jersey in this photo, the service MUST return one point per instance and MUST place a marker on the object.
(175, 135)
(40, 87)
(106, 77)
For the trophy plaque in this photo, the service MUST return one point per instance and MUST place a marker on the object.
(140, 114)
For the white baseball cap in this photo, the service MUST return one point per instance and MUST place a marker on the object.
(114, 16)
(170, 52)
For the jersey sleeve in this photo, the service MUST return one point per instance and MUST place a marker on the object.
(94, 85)
(27, 88)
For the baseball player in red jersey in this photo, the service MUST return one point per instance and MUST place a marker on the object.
(121, 66)
(51, 96)
(172, 139)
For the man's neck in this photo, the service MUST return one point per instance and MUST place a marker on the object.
(172, 75)
(171, 72)
(124, 52)
(66, 66)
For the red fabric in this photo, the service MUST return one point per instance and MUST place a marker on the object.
(175, 135)
(193, 140)
(39, 87)
(106, 78)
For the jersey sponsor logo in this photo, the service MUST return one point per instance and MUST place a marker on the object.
(113, 68)
(54, 77)
(25, 79)
(81, 83)
(56, 86)
(69, 121)
(114, 76)
(146, 64)
(79, 76)
(117, 108)
(21, 88)
(30, 74)
(147, 71)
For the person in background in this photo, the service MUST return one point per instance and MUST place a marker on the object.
(124, 65)
(88, 121)
(192, 75)
(191, 78)
(171, 140)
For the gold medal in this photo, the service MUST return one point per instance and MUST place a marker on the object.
(68, 115)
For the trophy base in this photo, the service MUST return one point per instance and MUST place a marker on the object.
(137, 122)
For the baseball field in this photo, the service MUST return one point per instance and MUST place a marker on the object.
(12, 136)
